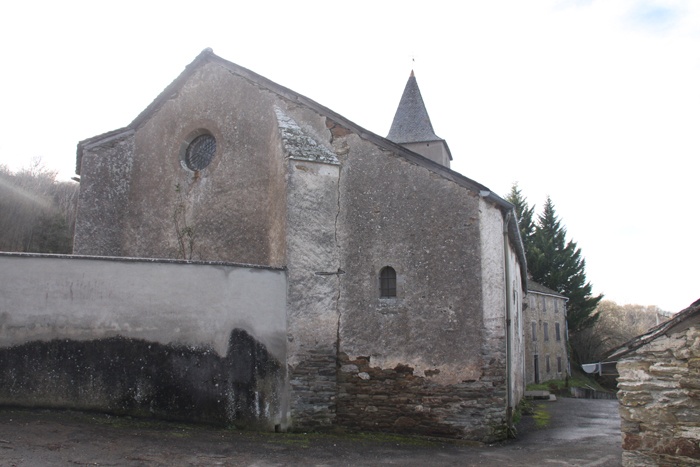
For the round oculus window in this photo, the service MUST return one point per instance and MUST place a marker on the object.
(200, 152)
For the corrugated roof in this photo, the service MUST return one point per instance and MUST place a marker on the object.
(411, 123)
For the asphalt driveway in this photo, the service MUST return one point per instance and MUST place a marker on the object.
(567, 432)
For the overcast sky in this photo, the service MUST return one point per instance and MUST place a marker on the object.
(594, 103)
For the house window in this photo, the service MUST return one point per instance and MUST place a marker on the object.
(556, 305)
(559, 364)
(557, 331)
(546, 363)
(387, 282)
(546, 332)
(537, 369)
(534, 331)
(544, 303)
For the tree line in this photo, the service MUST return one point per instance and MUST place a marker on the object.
(37, 212)
(595, 326)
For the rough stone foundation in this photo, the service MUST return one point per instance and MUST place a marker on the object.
(396, 400)
(313, 384)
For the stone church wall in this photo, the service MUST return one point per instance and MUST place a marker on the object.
(313, 267)
(176, 340)
(235, 206)
(106, 176)
(415, 363)
(659, 393)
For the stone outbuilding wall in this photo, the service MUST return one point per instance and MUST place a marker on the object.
(659, 393)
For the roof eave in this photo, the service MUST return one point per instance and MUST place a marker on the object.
(664, 328)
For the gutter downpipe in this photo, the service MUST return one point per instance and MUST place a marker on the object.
(509, 328)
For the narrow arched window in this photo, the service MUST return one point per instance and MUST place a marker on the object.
(387, 282)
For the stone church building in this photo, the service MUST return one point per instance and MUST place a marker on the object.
(402, 281)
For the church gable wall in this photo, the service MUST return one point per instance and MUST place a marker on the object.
(231, 210)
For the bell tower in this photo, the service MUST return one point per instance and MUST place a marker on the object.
(412, 129)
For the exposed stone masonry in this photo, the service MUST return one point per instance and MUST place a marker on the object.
(396, 400)
(659, 392)
(313, 384)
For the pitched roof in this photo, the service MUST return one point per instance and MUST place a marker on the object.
(411, 123)
(680, 321)
(536, 287)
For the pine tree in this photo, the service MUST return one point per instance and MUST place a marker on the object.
(557, 264)
(525, 214)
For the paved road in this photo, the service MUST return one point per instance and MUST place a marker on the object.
(579, 433)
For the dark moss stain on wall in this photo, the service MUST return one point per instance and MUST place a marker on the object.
(132, 376)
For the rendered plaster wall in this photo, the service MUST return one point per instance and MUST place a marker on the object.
(551, 310)
(493, 347)
(176, 340)
(414, 363)
(659, 393)
(313, 268)
(234, 207)
(517, 358)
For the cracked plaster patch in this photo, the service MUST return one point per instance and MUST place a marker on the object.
(300, 145)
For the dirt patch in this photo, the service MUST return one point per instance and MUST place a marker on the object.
(579, 432)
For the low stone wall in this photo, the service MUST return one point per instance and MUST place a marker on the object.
(659, 393)
(190, 341)
(395, 400)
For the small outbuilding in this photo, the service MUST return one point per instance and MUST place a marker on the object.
(659, 392)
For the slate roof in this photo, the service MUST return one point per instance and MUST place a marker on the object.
(536, 287)
(680, 321)
(411, 123)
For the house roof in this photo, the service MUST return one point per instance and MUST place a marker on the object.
(679, 322)
(536, 287)
(208, 56)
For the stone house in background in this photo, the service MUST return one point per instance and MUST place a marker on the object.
(546, 334)
(404, 279)
(659, 392)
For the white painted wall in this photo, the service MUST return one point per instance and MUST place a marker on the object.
(45, 297)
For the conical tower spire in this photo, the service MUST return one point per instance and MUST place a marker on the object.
(412, 129)
(411, 122)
